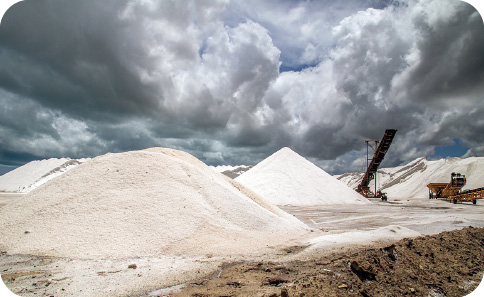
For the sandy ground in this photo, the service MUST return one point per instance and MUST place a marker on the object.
(336, 228)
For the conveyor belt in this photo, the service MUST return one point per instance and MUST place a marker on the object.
(468, 195)
(378, 156)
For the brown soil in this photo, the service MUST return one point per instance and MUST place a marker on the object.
(446, 264)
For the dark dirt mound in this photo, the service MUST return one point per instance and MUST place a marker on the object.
(446, 264)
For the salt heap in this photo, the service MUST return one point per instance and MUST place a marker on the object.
(410, 180)
(286, 178)
(140, 203)
(33, 174)
(414, 183)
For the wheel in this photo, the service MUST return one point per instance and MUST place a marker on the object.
(455, 200)
(474, 201)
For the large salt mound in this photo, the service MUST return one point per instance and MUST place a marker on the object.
(410, 180)
(286, 178)
(415, 185)
(33, 174)
(140, 203)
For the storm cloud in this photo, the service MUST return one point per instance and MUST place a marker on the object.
(233, 81)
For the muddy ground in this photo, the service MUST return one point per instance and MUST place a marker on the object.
(447, 264)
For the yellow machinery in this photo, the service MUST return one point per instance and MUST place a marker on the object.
(445, 190)
(468, 195)
(452, 190)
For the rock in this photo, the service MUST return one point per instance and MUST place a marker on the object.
(132, 266)
(284, 293)
(275, 281)
(360, 272)
(364, 293)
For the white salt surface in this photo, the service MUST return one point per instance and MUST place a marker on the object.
(35, 173)
(141, 203)
(286, 178)
(389, 233)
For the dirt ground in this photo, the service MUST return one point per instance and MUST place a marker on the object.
(447, 264)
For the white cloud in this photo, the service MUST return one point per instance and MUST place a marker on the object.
(373, 79)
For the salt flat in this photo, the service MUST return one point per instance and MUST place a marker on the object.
(426, 216)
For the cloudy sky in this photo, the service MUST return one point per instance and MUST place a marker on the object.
(233, 81)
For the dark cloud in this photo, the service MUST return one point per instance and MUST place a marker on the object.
(448, 48)
(73, 56)
(82, 78)
(15, 159)
(467, 128)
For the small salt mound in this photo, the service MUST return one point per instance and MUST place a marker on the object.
(33, 174)
(286, 178)
(140, 203)
(389, 233)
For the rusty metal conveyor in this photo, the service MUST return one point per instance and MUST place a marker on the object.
(468, 196)
(378, 156)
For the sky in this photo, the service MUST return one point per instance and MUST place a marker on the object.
(231, 82)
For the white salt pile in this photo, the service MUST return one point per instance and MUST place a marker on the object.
(439, 171)
(286, 178)
(141, 203)
(33, 174)
(231, 171)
